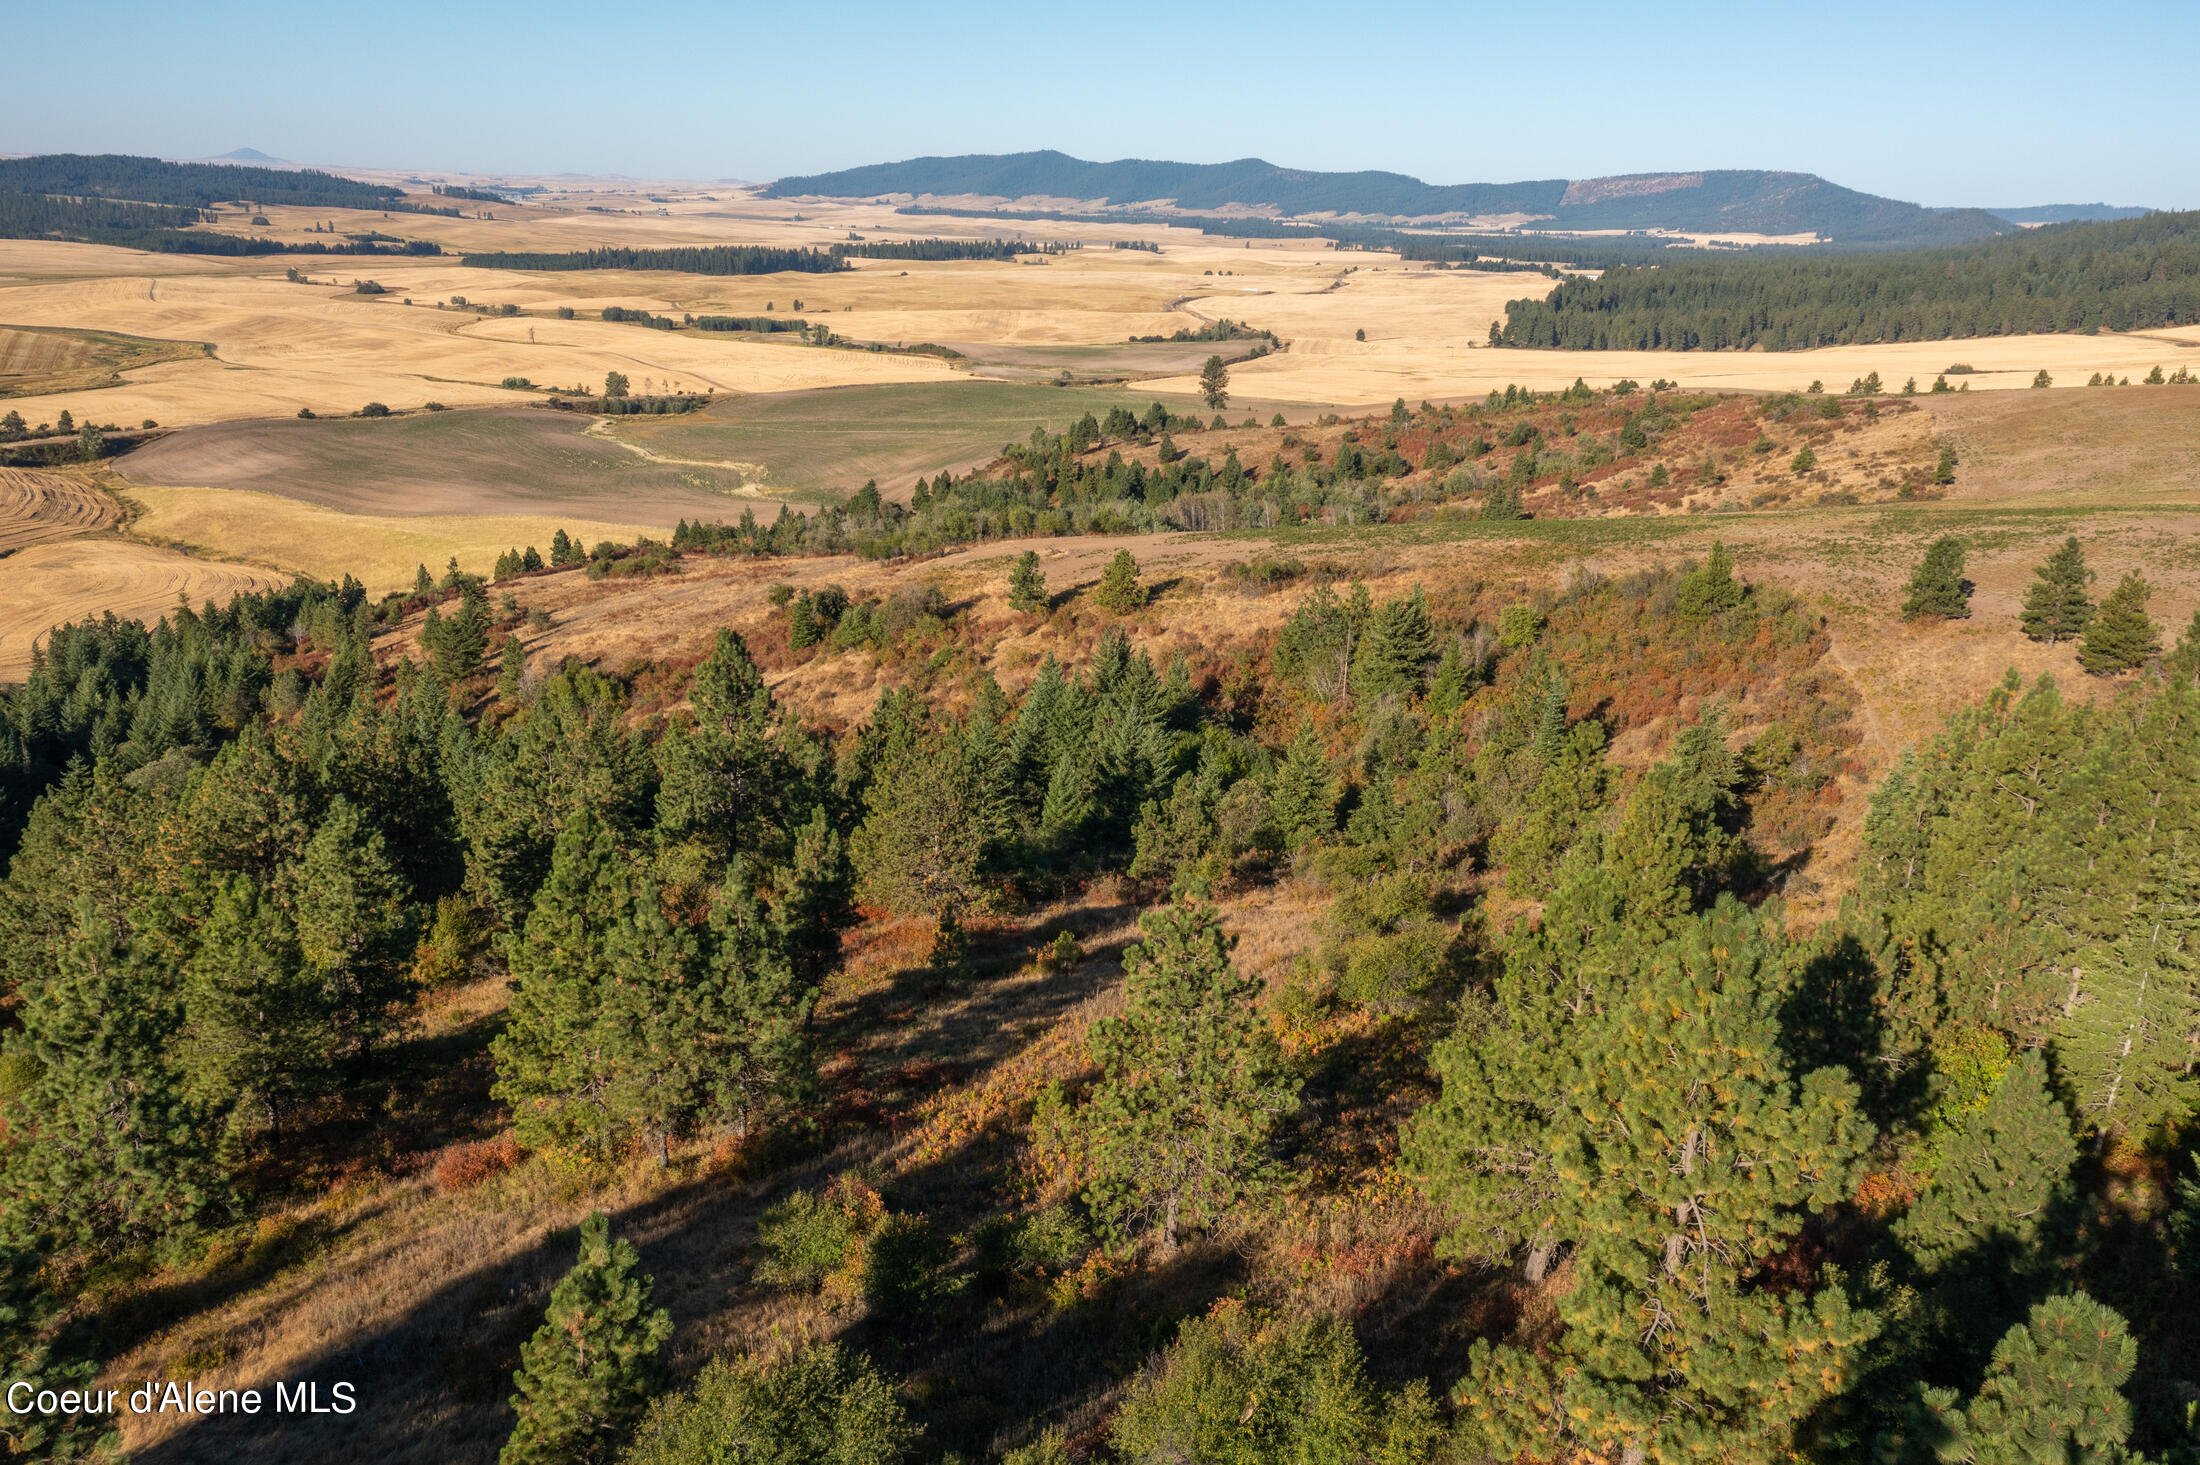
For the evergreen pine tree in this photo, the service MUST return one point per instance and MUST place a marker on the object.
(1191, 1085)
(511, 670)
(2119, 636)
(590, 1369)
(1997, 1173)
(1236, 1388)
(727, 781)
(260, 1027)
(819, 1403)
(2131, 1016)
(1664, 1138)
(1938, 588)
(354, 926)
(423, 582)
(2056, 608)
(1027, 584)
(921, 846)
(1119, 592)
(1453, 682)
(2184, 1223)
(1303, 802)
(1397, 645)
(108, 1151)
(2183, 661)
(1569, 792)
(1711, 587)
(2054, 1392)
(553, 1058)
(28, 1351)
(1503, 503)
(465, 638)
(759, 984)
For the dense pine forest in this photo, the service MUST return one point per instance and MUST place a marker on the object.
(2131, 274)
(1563, 1138)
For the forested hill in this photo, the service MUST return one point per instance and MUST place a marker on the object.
(191, 185)
(2124, 275)
(1735, 200)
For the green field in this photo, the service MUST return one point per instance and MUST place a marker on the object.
(830, 441)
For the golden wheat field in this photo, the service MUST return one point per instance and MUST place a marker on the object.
(37, 505)
(50, 584)
(381, 551)
(278, 346)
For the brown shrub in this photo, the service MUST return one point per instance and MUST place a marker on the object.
(463, 1166)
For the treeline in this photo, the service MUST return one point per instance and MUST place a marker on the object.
(943, 249)
(757, 259)
(453, 190)
(160, 228)
(2132, 274)
(191, 185)
(761, 324)
(713, 259)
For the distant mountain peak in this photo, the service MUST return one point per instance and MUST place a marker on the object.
(248, 155)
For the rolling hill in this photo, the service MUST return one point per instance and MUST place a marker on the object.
(1739, 201)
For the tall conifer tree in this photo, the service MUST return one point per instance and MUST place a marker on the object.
(1191, 1085)
(590, 1369)
(2119, 636)
(2054, 1392)
(1938, 589)
(1998, 1174)
(2056, 608)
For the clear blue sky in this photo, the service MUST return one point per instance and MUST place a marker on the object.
(1941, 103)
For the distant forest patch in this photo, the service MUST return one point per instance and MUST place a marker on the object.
(144, 203)
(755, 259)
(191, 185)
(2125, 275)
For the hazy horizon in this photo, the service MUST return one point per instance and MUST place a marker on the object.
(1962, 105)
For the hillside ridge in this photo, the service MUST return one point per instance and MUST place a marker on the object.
(1742, 201)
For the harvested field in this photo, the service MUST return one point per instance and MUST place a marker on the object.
(2132, 445)
(37, 360)
(381, 551)
(46, 585)
(279, 345)
(38, 505)
(509, 461)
